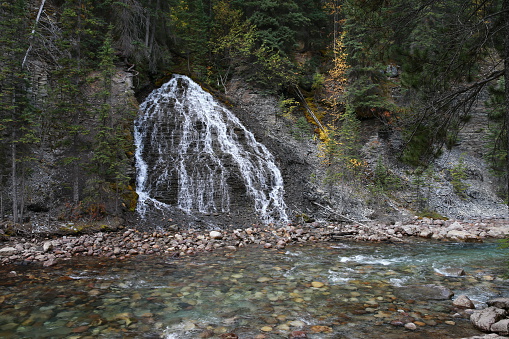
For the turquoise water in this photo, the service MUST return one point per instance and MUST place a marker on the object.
(328, 290)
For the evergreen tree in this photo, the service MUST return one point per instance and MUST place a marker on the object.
(17, 116)
(191, 21)
(79, 39)
(368, 42)
(109, 163)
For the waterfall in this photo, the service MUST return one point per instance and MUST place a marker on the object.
(195, 155)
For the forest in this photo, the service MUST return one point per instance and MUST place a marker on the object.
(417, 66)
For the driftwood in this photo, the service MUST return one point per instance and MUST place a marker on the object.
(339, 214)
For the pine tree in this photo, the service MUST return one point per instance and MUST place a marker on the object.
(79, 39)
(109, 162)
(17, 116)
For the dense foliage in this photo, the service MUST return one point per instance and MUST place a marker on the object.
(418, 66)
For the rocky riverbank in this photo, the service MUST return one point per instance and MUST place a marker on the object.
(178, 242)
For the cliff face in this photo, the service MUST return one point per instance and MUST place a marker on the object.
(459, 184)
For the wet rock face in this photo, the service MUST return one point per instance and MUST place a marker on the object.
(195, 155)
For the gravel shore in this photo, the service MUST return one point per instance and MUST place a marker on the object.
(178, 242)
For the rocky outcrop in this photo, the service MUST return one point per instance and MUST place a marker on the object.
(486, 318)
(493, 318)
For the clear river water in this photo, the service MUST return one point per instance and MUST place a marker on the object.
(326, 290)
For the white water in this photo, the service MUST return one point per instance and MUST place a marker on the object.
(188, 144)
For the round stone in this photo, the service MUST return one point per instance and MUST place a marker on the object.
(317, 284)
(296, 323)
(410, 326)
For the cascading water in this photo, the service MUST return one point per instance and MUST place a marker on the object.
(194, 154)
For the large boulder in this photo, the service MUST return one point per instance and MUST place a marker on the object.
(484, 319)
(501, 327)
(424, 292)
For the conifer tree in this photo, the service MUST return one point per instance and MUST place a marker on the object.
(109, 162)
(17, 116)
(79, 39)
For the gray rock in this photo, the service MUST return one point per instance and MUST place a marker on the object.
(461, 235)
(483, 319)
(411, 326)
(499, 303)
(453, 272)
(426, 234)
(215, 235)
(7, 251)
(486, 336)
(501, 327)
(463, 301)
(424, 292)
(49, 262)
(47, 246)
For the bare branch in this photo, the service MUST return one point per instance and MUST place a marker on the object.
(33, 32)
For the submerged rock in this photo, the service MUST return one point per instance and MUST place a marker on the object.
(454, 272)
(424, 292)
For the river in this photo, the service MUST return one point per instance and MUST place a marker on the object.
(326, 290)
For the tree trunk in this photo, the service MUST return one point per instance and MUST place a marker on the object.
(505, 13)
(21, 194)
(75, 185)
(14, 179)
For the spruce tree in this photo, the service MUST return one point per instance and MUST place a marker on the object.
(17, 116)
(71, 114)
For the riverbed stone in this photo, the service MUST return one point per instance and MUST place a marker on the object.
(317, 284)
(461, 235)
(501, 327)
(483, 319)
(7, 251)
(411, 326)
(499, 303)
(453, 271)
(216, 235)
(463, 301)
(424, 292)
(485, 336)
(47, 246)
(297, 334)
